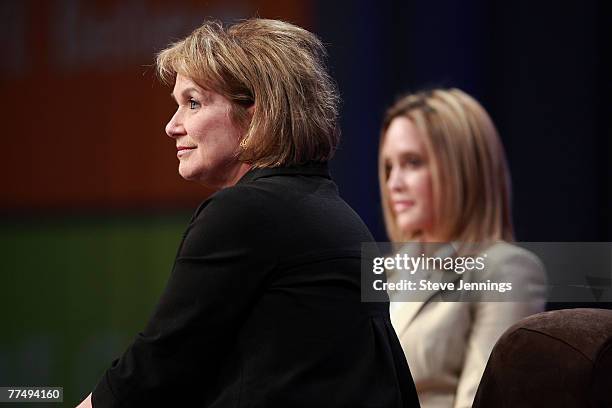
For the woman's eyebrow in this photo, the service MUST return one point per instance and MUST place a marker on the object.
(410, 152)
(402, 153)
(185, 92)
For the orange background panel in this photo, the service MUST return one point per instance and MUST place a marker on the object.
(84, 114)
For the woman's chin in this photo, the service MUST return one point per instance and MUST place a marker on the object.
(407, 225)
(186, 176)
(188, 173)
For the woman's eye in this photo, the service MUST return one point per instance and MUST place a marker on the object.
(414, 162)
(193, 104)
(387, 171)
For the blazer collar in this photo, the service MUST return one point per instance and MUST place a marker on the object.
(308, 169)
(409, 310)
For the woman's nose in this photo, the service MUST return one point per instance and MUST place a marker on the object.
(395, 182)
(174, 128)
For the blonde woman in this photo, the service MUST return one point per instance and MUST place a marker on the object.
(444, 179)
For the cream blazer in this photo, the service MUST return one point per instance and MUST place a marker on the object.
(447, 344)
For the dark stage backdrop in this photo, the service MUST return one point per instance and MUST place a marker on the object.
(542, 70)
(92, 206)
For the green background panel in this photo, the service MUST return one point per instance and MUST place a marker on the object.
(75, 291)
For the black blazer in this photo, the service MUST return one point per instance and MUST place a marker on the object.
(263, 309)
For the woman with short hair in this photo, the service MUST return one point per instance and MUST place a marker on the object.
(263, 304)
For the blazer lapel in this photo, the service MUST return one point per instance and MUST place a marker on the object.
(405, 311)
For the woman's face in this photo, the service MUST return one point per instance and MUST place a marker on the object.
(206, 138)
(408, 178)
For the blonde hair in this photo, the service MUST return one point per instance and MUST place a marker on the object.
(470, 178)
(274, 67)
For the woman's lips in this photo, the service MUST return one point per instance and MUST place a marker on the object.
(182, 150)
(402, 205)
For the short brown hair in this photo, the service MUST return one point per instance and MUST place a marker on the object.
(276, 67)
(470, 178)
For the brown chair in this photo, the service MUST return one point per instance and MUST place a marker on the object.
(555, 359)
